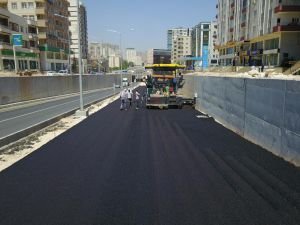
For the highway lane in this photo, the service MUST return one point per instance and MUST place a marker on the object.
(149, 167)
(15, 119)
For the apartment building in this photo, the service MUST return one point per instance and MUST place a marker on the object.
(131, 55)
(27, 56)
(110, 52)
(181, 48)
(172, 34)
(78, 15)
(204, 38)
(52, 28)
(255, 32)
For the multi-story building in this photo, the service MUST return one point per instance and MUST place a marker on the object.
(158, 56)
(110, 52)
(181, 48)
(78, 15)
(131, 55)
(174, 33)
(139, 60)
(258, 32)
(52, 28)
(204, 37)
(27, 56)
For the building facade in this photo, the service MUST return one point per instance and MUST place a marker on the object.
(52, 28)
(255, 32)
(78, 16)
(181, 48)
(158, 56)
(105, 51)
(131, 55)
(204, 38)
(27, 56)
(172, 34)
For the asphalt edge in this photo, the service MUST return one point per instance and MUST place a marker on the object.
(18, 136)
(30, 130)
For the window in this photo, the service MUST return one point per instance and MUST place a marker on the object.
(272, 44)
(30, 5)
(14, 5)
(24, 5)
(31, 17)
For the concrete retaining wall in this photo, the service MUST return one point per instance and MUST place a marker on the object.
(266, 112)
(17, 89)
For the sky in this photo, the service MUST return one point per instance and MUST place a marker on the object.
(143, 24)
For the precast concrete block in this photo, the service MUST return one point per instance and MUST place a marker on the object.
(9, 90)
(265, 100)
(263, 133)
(292, 107)
(291, 147)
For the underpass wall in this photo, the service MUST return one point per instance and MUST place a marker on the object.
(18, 89)
(266, 112)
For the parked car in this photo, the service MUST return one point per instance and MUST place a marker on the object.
(51, 73)
(63, 72)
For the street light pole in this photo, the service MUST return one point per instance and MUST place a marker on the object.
(121, 61)
(79, 56)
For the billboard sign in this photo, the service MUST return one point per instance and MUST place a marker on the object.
(17, 40)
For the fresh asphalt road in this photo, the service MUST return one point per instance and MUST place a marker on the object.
(150, 167)
(17, 118)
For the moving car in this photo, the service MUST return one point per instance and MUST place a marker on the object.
(51, 73)
(63, 72)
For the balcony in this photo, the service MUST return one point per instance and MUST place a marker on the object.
(231, 17)
(243, 24)
(42, 35)
(244, 10)
(231, 30)
(41, 23)
(40, 10)
(287, 8)
(232, 5)
(5, 29)
(290, 27)
(5, 45)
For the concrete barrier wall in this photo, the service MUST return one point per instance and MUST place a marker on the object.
(266, 112)
(17, 89)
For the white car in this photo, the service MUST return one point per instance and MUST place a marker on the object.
(63, 72)
(51, 73)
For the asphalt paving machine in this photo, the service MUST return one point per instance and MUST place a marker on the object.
(162, 86)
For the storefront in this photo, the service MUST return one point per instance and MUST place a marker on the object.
(53, 59)
(25, 60)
